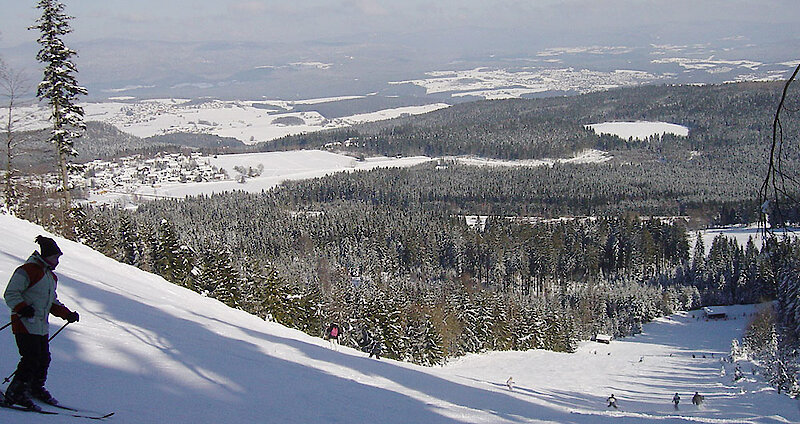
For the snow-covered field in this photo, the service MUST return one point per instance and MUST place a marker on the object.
(247, 121)
(504, 83)
(584, 157)
(639, 130)
(155, 352)
(275, 167)
(278, 167)
(740, 234)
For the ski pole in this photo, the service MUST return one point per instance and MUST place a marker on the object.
(14, 318)
(7, 379)
(59, 330)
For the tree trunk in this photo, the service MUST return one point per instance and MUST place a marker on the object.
(9, 155)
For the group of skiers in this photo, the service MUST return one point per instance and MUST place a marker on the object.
(366, 343)
(697, 400)
(31, 295)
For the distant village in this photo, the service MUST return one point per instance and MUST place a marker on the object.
(126, 175)
(164, 168)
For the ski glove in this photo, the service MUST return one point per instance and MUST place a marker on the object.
(73, 317)
(27, 312)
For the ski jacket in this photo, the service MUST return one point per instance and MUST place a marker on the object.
(34, 284)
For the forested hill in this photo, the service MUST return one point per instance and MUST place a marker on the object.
(105, 141)
(390, 251)
(717, 115)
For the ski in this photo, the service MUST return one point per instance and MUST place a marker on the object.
(73, 412)
(69, 408)
(66, 414)
(20, 408)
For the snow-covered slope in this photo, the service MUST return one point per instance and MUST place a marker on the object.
(242, 120)
(154, 352)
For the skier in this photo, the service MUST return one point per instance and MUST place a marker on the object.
(510, 383)
(376, 349)
(697, 399)
(612, 401)
(676, 399)
(365, 343)
(332, 334)
(31, 295)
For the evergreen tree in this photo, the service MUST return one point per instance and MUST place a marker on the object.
(699, 256)
(426, 343)
(270, 297)
(129, 242)
(59, 87)
(789, 301)
(172, 259)
(224, 278)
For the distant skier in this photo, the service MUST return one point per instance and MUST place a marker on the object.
(375, 349)
(612, 401)
(737, 373)
(31, 295)
(676, 400)
(697, 399)
(332, 334)
(510, 383)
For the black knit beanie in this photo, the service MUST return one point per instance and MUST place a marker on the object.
(47, 246)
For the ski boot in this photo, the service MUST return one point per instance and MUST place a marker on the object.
(43, 395)
(17, 395)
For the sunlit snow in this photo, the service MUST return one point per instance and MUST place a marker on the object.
(639, 130)
(155, 352)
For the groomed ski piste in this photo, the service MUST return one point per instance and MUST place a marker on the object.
(153, 352)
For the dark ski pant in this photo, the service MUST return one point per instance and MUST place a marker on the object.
(32, 368)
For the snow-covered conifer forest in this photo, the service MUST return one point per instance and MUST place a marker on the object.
(459, 241)
(389, 250)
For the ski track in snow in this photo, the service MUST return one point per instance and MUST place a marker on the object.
(155, 352)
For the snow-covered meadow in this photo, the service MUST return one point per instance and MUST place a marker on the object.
(275, 167)
(506, 83)
(248, 121)
(638, 130)
(740, 234)
(155, 352)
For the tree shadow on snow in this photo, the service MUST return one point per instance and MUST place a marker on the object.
(195, 374)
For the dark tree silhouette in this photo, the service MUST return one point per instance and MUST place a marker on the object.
(779, 191)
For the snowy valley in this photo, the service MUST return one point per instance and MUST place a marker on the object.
(369, 211)
(154, 352)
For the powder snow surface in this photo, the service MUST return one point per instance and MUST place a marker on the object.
(154, 352)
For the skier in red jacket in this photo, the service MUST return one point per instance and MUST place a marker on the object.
(31, 295)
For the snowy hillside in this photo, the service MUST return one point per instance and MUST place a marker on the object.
(248, 121)
(154, 352)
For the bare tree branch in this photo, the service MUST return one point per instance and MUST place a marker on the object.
(779, 189)
(13, 85)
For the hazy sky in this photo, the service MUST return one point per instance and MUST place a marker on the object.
(282, 20)
(163, 44)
